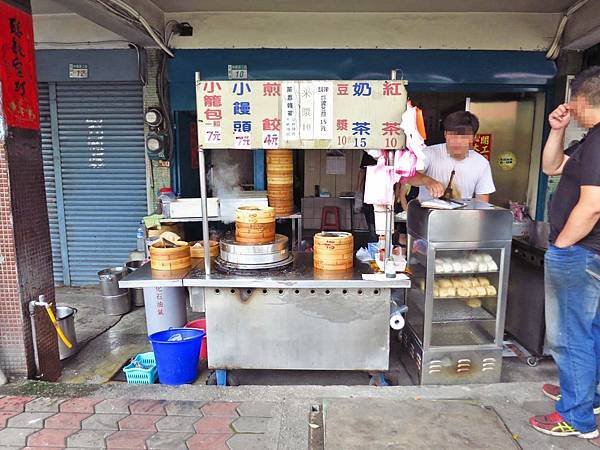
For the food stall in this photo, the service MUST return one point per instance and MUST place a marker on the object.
(268, 307)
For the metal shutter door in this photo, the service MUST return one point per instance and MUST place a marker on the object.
(101, 135)
(49, 179)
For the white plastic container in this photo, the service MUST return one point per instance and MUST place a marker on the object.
(164, 200)
(192, 207)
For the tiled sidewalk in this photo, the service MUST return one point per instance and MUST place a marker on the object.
(91, 422)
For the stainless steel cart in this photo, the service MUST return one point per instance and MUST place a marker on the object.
(295, 318)
(457, 302)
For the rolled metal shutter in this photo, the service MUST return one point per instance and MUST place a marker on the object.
(101, 135)
(49, 180)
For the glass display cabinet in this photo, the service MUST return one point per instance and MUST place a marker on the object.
(456, 306)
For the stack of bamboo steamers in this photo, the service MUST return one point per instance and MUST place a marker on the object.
(167, 257)
(280, 181)
(333, 250)
(255, 224)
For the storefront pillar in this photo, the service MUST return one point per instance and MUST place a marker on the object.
(25, 249)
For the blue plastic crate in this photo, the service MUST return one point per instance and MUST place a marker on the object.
(146, 374)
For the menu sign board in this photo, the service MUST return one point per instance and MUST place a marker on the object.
(301, 114)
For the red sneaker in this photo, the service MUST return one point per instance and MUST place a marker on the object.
(555, 425)
(553, 391)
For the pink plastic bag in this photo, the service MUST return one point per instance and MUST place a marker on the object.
(379, 183)
(405, 164)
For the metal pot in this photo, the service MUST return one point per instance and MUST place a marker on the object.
(137, 295)
(132, 266)
(116, 305)
(109, 280)
(65, 316)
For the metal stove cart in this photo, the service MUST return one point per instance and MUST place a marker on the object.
(456, 305)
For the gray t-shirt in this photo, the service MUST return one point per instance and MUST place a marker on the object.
(473, 174)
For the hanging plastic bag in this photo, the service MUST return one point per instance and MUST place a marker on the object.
(405, 164)
(379, 183)
(414, 128)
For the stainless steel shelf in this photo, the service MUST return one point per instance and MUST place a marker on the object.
(296, 215)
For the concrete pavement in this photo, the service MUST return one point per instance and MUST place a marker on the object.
(416, 417)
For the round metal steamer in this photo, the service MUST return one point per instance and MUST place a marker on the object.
(236, 255)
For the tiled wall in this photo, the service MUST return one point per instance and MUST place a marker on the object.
(13, 357)
(26, 258)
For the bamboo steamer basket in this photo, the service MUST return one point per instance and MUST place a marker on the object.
(284, 154)
(198, 250)
(280, 178)
(279, 151)
(170, 258)
(280, 167)
(183, 263)
(255, 214)
(256, 233)
(343, 274)
(254, 240)
(281, 197)
(284, 210)
(279, 164)
(280, 188)
(282, 205)
(280, 181)
(333, 251)
(255, 225)
(276, 163)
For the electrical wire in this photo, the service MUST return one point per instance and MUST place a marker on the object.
(554, 50)
(137, 16)
(141, 57)
(112, 41)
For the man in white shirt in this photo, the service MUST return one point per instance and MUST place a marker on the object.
(473, 175)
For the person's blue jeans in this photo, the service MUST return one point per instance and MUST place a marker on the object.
(573, 330)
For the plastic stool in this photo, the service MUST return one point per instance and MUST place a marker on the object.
(326, 213)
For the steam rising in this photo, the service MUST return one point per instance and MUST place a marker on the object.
(224, 179)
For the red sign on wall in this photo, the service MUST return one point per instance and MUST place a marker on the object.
(17, 68)
(483, 145)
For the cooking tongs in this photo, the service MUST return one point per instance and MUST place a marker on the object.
(448, 192)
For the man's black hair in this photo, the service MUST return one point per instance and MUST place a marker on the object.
(462, 122)
(587, 85)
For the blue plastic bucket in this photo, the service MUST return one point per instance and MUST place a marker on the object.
(176, 352)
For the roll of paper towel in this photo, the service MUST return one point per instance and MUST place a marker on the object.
(396, 318)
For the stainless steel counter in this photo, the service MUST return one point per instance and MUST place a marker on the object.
(146, 277)
(300, 274)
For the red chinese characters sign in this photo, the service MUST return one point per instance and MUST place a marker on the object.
(17, 68)
(483, 145)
